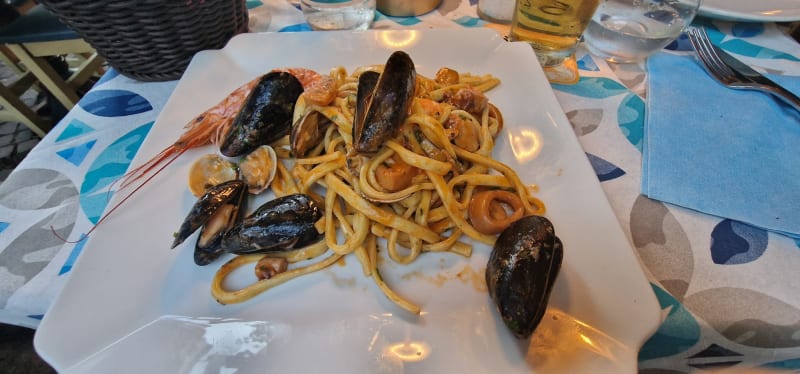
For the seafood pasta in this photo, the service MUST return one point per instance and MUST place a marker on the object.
(382, 156)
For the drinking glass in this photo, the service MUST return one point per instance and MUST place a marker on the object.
(552, 27)
(631, 30)
(338, 14)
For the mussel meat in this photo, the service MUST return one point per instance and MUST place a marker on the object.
(382, 102)
(522, 269)
(219, 209)
(282, 224)
(266, 115)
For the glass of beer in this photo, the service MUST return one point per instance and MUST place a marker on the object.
(552, 27)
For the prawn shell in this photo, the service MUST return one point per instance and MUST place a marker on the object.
(284, 223)
(382, 110)
(521, 271)
(266, 115)
(206, 205)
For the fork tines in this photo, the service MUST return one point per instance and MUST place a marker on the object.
(708, 55)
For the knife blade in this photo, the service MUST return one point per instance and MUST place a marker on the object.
(750, 74)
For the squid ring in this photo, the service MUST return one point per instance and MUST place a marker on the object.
(488, 216)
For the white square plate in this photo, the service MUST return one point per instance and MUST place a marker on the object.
(134, 305)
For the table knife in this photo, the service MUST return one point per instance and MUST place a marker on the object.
(750, 74)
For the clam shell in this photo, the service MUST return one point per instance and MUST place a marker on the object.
(258, 169)
(208, 171)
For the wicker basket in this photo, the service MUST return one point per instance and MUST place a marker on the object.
(152, 40)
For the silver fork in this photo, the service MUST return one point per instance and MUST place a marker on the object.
(720, 71)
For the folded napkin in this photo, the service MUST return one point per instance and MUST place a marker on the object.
(730, 153)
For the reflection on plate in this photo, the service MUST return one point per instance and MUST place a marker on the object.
(748, 10)
(131, 300)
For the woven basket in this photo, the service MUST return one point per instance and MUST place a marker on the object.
(152, 40)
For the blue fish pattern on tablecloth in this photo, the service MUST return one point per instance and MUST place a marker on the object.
(470, 21)
(604, 170)
(114, 103)
(405, 21)
(73, 256)
(107, 168)
(593, 87)
(747, 29)
(300, 27)
(744, 47)
(75, 128)
(630, 116)
(587, 63)
(735, 243)
(76, 154)
(678, 333)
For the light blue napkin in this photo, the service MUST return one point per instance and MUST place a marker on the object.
(730, 153)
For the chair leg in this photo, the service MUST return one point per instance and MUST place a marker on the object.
(47, 76)
(21, 112)
(9, 59)
(87, 69)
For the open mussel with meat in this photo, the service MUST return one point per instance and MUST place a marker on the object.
(282, 224)
(382, 102)
(215, 212)
(522, 269)
(308, 132)
(266, 115)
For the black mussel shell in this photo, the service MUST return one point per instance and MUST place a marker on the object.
(385, 107)
(266, 115)
(522, 269)
(282, 224)
(280, 236)
(206, 205)
(209, 244)
(308, 132)
(366, 87)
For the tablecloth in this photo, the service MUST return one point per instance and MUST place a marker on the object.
(728, 291)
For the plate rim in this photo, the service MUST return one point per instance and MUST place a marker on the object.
(725, 12)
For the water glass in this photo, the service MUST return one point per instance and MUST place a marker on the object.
(497, 11)
(338, 14)
(552, 27)
(631, 30)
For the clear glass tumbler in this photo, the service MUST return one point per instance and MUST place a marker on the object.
(497, 11)
(631, 30)
(338, 14)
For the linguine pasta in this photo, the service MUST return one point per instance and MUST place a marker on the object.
(412, 196)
